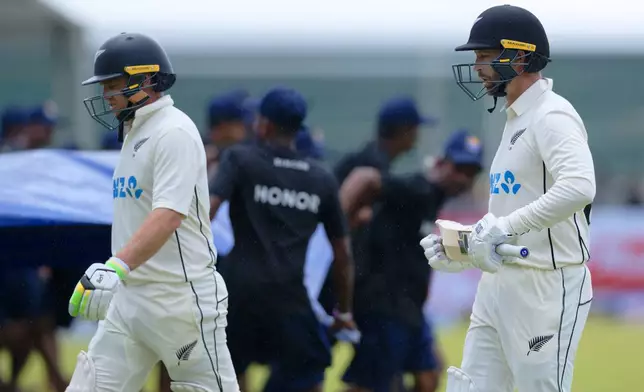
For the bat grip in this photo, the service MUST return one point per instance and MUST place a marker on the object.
(509, 250)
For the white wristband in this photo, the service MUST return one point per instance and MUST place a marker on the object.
(121, 268)
(346, 317)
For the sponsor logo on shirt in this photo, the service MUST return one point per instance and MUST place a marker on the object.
(291, 164)
(289, 198)
(125, 187)
(504, 183)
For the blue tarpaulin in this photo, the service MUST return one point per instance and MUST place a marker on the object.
(56, 187)
(74, 188)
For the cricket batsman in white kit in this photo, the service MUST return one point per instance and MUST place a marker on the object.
(159, 295)
(529, 313)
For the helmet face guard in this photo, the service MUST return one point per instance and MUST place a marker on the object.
(100, 110)
(467, 78)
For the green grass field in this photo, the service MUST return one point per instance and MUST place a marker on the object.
(609, 359)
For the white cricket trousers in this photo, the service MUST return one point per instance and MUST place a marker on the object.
(525, 328)
(181, 324)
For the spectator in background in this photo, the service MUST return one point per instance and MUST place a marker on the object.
(38, 132)
(21, 295)
(41, 122)
(44, 331)
(307, 145)
(391, 295)
(12, 138)
(227, 121)
(291, 338)
(27, 319)
(398, 123)
(227, 118)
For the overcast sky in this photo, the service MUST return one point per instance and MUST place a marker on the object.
(274, 22)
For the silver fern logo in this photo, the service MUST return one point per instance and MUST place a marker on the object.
(183, 354)
(516, 137)
(536, 344)
(138, 145)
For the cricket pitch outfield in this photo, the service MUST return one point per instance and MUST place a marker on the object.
(609, 359)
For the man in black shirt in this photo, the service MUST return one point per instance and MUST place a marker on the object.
(396, 134)
(389, 297)
(276, 198)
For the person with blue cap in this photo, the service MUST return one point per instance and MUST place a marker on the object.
(13, 122)
(41, 122)
(390, 296)
(226, 119)
(227, 125)
(277, 197)
(398, 122)
(307, 145)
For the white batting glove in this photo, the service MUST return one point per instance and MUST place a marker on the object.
(435, 254)
(94, 292)
(489, 232)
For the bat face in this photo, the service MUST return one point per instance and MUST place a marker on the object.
(455, 239)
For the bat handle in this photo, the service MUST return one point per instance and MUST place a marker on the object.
(512, 251)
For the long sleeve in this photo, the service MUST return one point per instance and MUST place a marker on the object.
(562, 142)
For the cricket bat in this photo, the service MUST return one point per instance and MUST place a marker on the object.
(456, 239)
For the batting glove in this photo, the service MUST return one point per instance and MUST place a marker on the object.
(489, 232)
(94, 292)
(435, 254)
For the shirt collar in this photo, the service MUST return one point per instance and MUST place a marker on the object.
(529, 97)
(145, 112)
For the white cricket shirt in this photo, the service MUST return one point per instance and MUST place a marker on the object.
(542, 178)
(163, 165)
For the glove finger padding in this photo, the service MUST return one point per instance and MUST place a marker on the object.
(430, 241)
(98, 301)
(438, 260)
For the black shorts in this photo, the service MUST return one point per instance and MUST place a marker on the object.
(275, 325)
(389, 347)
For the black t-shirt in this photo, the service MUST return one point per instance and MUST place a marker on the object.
(276, 200)
(368, 156)
(397, 273)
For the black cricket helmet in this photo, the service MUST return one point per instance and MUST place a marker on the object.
(139, 58)
(520, 37)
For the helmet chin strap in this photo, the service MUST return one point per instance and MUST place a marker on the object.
(499, 91)
(134, 102)
(490, 110)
